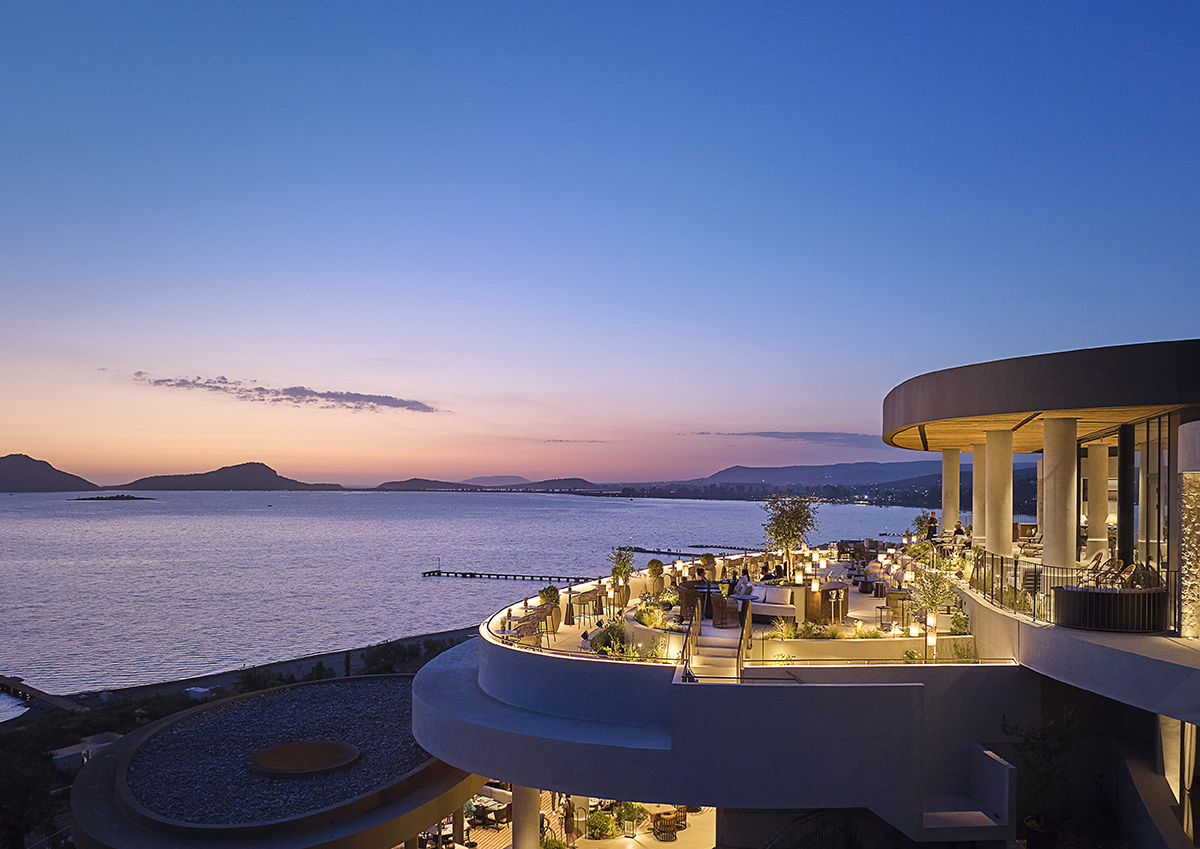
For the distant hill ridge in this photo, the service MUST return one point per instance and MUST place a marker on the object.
(838, 474)
(245, 477)
(22, 473)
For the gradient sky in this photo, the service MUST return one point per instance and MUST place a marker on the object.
(623, 240)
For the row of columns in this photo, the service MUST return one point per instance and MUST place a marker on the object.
(992, 491)
(992, 499)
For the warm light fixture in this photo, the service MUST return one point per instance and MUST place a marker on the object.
(908, 576)
(816, 585)
(824, 563)
(914, 629)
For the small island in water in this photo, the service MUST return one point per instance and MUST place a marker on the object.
(113, 498)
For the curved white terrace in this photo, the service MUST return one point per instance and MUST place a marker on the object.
(578, 723)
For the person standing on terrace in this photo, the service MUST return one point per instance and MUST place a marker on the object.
(932, 527)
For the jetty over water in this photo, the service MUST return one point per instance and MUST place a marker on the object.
(17, 687)
(448, 573)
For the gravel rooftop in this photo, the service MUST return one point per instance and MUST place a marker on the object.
(197, 770)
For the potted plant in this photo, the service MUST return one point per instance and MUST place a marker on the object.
(654, 570)
(630, 814)
(550, 594)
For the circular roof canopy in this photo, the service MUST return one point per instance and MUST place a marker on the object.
(1103, 388)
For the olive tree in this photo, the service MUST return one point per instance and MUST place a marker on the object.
(621, 558)
(790, 519)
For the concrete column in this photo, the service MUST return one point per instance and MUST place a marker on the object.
(1149, 515)
(978, 493)
(458, 821)
(1143, 498)
(950, 490)
(526, 813)
(1039, 498)
(1126, 493)
(1097, 505)
(1060, 527)
(999, 492)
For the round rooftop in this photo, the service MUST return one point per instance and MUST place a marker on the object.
(324, 763)
(1103, 388)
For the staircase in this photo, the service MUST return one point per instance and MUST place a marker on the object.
(715, 658)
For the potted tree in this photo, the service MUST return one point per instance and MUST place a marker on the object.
(550, 594)
(654, 569)
(790, 519)
(621, 558)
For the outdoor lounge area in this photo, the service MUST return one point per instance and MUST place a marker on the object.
(836, 613)
(621, 687)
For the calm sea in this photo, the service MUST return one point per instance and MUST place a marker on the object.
(102, 594)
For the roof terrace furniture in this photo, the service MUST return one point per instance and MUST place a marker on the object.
(665, 826)
(725, 612)
(689, 599)
(774, 601)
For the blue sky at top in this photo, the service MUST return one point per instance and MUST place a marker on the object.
(597, 238)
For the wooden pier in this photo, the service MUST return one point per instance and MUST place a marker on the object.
(508, 576)
(17, 687)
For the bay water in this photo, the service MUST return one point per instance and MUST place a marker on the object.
(106, 594)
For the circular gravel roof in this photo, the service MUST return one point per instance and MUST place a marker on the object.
(198, 770)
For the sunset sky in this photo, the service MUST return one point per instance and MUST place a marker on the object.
(622, 240)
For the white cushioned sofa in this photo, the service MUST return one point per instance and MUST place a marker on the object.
(776, 601)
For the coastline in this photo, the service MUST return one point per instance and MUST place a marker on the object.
(298, 667)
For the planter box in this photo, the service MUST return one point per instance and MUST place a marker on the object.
(884, 648)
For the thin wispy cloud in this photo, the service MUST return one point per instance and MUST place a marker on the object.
(294, 396)
(577, 441)
(827, 438)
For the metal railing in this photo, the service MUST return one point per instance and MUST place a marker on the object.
(1082, 597)
(691, 640)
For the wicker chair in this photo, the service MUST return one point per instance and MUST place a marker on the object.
(725, 612)
(681, 813)
(665, 826)
(688, 599)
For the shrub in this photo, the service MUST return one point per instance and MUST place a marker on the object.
(553, 843)
(549, 594)
(319, 672)
(654, 568)
(627, 811)
(960, 625)
(651, 616)
(783, 628)
(600, 826)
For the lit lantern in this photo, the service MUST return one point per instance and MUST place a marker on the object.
(816, 585)
(914, 629)
(908, 576)
(824, 563)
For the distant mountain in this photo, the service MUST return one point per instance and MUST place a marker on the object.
(497, 480)
(838, 474)
(22, 473)
(559, 485)
(246, 477)
(426, 485)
